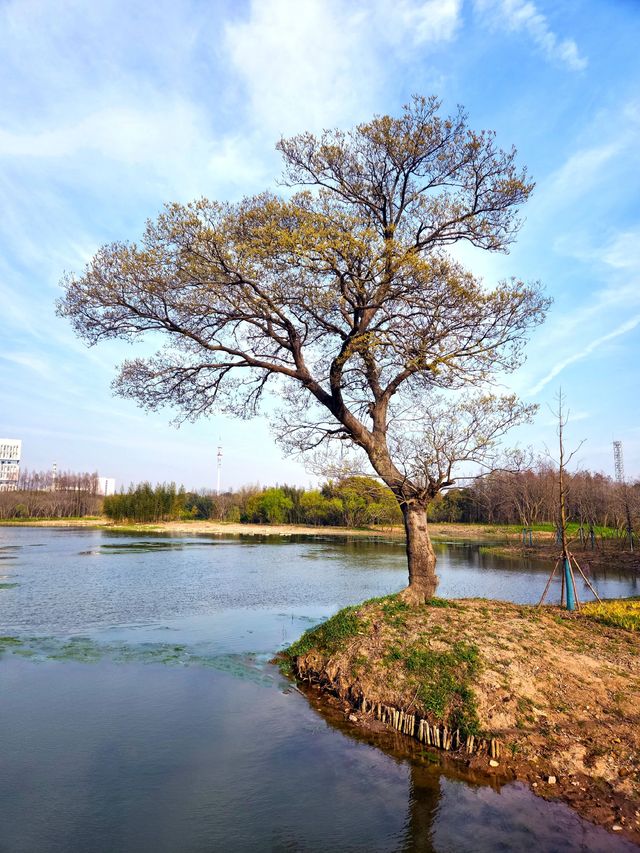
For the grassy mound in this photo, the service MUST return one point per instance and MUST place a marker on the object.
(558, 692)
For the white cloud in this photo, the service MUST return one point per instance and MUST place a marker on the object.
(583, 169)
(623, 252)
(418, 23)
(625, 327)
(572, 416)
(311, 65)
(524, 16)
(620, 253)
(297, 61)
(130, 134)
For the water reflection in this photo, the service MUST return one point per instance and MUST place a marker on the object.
(451, 808)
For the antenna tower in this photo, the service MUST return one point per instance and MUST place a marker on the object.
(618, 462)
(54, 476)
(219, 467)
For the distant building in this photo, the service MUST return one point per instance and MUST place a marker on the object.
(106, 486)
(10, 452)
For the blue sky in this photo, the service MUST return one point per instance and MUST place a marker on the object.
(110, 109)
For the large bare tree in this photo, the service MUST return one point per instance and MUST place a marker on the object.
(341, 298)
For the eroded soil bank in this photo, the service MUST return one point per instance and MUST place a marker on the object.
(536, 694)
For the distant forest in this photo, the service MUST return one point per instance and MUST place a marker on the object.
(40, 494)
(526, 498)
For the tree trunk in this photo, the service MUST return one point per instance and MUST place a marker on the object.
(420, 556)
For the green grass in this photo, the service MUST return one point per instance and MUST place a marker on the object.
(442, 679)
(573, 528)
(444, 683)
(328, 637)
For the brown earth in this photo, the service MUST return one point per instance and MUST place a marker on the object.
(560, 692)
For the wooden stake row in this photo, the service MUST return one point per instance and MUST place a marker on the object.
(431, 734)
(412, 725)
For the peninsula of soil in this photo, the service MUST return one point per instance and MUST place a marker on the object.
(530, 693)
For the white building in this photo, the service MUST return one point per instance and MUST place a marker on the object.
(10, 452)
(106, 486)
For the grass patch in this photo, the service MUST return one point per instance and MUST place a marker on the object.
(444, 679)
(330, 635)
(618, 613)
(391, 605)
(442, 602)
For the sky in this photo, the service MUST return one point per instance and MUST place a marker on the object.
(109, 110)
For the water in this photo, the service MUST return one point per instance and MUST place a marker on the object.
(138, 711)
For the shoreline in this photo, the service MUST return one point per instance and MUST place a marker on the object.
(438, 530)
(499, 540)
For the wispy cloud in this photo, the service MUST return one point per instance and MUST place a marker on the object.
(317, 64)
(625, 327)
(623, 252)
(418, 23)
(524, 16)
(572, 416)
(32, 362)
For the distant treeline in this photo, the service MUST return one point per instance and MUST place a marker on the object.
(352, 502)
(41, 495)
(523, 498)
(531, 497)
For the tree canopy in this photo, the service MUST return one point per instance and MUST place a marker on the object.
(342, 298)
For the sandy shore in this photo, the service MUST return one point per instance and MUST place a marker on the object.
(462, 532)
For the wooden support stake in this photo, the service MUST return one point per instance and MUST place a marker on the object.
(544, 594)
(585, 578)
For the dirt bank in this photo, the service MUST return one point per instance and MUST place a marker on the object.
(609, 554)
(540, 695)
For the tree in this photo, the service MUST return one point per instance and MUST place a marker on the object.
(341, 299)
(271, 506)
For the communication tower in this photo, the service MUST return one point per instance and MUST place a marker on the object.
(54, 476)
(618, 462)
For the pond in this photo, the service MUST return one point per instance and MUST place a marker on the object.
(139, 710)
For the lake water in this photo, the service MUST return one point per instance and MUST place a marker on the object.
(139, 712)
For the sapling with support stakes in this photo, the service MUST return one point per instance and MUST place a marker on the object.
(566, 558)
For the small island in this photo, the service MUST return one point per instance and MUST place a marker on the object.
(538, 694)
